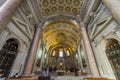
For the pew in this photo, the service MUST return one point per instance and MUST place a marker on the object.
(44, 78)
(97, 79)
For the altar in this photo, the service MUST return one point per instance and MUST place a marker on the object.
(60, 72)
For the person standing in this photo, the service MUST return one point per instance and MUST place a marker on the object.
(44, 73)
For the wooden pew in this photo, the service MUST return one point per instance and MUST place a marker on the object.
(44, 78)
(97, 79)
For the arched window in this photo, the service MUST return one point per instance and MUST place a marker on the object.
(45, 55)
(8, 54)
(60, 52)
(113, 54)
(40, 52)
(76, 56)
(68, 53)
(53, 53)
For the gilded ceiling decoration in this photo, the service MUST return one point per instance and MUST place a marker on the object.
(52, 7)
(61, 34)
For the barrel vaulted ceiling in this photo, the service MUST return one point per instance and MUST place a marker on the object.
(61, 34)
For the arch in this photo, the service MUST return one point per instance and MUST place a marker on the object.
(113, 53)
(8, 54)
(19, 42)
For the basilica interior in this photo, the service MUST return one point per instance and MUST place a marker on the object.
(69, 39)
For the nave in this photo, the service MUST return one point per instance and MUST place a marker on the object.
(60, 39)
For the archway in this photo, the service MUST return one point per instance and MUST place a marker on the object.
(60, 41)
(7, 55)
(113, 54)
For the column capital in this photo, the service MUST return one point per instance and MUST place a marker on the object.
(39, 27)
(82, 24)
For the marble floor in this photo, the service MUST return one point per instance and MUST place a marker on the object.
(66, 78)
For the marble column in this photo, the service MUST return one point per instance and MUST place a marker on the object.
(32, 53)
(7, 10)
(114, 7)
(89, 52)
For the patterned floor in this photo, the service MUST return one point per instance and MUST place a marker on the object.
(66, 78)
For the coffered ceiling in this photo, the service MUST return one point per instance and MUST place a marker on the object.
(52, 7)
